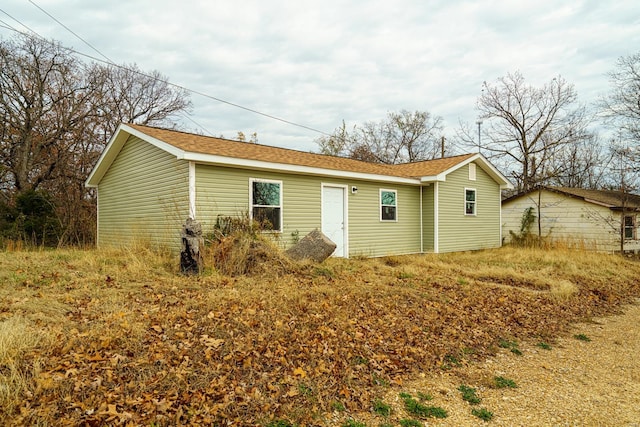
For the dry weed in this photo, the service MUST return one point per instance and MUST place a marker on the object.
(562, 290)
(17, 338)
(242, 253)
(135, 342)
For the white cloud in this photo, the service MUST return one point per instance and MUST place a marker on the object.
(319, 62)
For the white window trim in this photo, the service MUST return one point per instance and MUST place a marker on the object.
(251, 205)
(380, 205)
(633, 227)
(475, 203)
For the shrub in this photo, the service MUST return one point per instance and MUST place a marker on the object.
(469, 394)
(33, 219)
(239, 248)
(502, 382)
(381, 408)
(524, 237)
(418, 409)
(483, 414)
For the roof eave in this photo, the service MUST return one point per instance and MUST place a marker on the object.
(212, 159)
(484, 164)
(114, 146)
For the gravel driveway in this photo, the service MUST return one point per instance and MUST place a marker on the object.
(575, 383)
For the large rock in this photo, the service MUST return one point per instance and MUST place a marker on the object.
(190, 257)
(314, 246)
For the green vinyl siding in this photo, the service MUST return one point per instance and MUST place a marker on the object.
(428, 218)
(369, 236)
(143, 197)
(460, 232)
(224, 191)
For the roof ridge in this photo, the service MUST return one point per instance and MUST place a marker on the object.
(384, 165)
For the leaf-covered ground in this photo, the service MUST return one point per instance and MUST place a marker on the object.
(119, 338)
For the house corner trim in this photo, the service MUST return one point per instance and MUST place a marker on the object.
(436, 219)
(192, 190)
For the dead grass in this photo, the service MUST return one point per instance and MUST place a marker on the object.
(242, 253)
(117, 336)
(17, 338)
(562, 290)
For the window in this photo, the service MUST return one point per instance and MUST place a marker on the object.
(266, 203)
(630, 227)
(469, 201)
(388, 205)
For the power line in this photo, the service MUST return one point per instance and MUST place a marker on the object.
(72, 32)
(14, 29)
(193, 91)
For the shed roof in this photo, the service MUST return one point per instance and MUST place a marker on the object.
(612, 199)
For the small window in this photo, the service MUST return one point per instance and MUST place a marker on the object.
(388, 205)
(472, 171)
(469, 201)
(266, 203)
(630, 227)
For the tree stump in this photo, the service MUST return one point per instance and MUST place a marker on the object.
(190, 257)
(314, 246)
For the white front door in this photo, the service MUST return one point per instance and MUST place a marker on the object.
(334, 224)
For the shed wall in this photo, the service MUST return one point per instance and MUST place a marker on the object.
(566, 219)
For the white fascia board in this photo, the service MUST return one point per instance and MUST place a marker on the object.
(434, 178)
(101, 165)
(484, 164)
(306, 170)
(114, 146)
(595, 202)
(154, 141)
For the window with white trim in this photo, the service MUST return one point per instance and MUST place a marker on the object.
(388, 205)
(265, 203)
(630, 227)
(469, 201)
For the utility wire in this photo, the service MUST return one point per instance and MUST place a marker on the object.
(196, 92)
(14, 29)
(7, 25)
(72, 32)
(109, 60)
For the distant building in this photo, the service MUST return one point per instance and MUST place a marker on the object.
(593, 219)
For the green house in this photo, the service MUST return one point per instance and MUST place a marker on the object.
(150, 180)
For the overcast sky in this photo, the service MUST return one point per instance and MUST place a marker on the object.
(316, 63)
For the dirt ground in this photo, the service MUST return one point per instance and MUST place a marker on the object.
(575, 383)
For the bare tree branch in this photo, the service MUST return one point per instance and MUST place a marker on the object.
(402, 137)
(529, 125)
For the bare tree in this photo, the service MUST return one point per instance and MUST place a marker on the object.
(528, 125)
(335, 144)
(56, 114)
(583, 164)
(128, 95)
(402, 137)
(621, 107)
(45, 97)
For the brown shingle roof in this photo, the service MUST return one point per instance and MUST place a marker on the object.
(242, 150)
(611, 198)
(431, 167)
